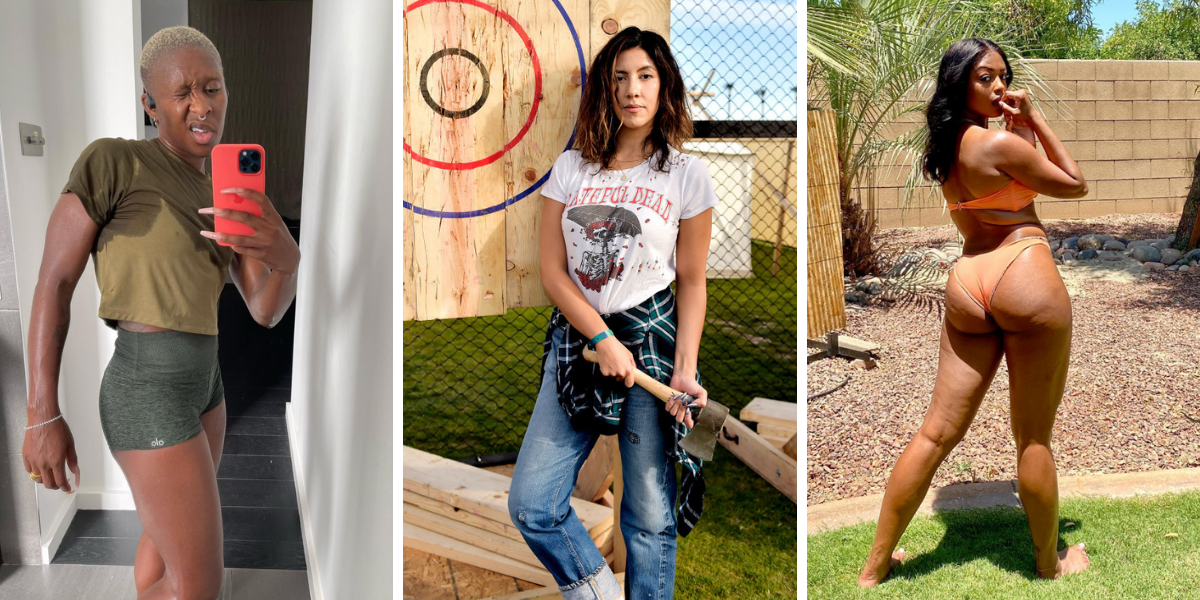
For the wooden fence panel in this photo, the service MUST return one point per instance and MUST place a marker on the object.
(826, 302)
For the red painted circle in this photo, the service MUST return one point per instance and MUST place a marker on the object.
(537, 91)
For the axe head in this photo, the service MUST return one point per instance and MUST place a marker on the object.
(702, 439)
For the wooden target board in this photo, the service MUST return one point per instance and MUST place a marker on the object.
(489, 104)
(491, 96)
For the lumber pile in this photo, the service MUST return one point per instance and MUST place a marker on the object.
(776, 420)
(460, 512)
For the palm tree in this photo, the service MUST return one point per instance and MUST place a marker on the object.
(874, 63)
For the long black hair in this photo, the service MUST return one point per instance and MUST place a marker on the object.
(946, 109)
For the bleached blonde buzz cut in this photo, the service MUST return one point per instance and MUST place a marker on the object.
(169, 40)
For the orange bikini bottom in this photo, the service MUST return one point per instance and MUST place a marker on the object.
(979, 274)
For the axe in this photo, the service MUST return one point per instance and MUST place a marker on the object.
(708, 421)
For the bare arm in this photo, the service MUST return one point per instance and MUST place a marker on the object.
(265, 263)
(69, 238)
(691, 291)
(268, 294)
(1053, 174)
(691, 287)
(615, 359)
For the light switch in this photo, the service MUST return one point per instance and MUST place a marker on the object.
(32, 139)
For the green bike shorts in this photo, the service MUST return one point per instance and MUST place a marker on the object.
(156, 387)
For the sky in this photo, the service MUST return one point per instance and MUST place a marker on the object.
(752, 44)
(1107, 13)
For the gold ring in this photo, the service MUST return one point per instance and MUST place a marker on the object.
(34, 476)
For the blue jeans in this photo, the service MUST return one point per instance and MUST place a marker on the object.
(539, 498)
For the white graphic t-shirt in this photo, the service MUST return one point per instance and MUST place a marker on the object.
(620, 227)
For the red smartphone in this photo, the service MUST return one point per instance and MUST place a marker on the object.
(237, 166)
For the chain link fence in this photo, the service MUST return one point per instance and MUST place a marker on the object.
(470, 384)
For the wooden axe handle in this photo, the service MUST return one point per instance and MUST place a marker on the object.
(659, 390)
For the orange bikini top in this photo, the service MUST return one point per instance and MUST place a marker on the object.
(1012, 197)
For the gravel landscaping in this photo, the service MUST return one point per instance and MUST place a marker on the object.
(1133, 392)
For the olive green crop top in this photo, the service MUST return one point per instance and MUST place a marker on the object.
(152, 264)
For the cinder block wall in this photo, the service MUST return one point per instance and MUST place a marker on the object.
(1133, 126)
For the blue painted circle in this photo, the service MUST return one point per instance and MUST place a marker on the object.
(466, 214)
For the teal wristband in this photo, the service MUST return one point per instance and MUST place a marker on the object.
(600, 336)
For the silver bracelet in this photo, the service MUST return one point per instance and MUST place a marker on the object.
(44, 422)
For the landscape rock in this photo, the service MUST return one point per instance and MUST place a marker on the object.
(1170, 256)
(1088, 255)
(1155, 266)
(1146, 254)
(1090, 241)
(1113, 245)
(1071, 243)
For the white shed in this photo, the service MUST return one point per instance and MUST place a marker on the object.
(732, 168)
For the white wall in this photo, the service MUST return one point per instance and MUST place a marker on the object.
(79, 84)
(341, 409)
(158, 15)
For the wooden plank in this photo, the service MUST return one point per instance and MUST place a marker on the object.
(758, 454)
(596, 474)
(479, 491)
(470, 535)
(771, 431)
(464, 516)
(778, 442)
(790, 447)
(654, 15)
(771, 412)
(557, 112)
(441, 545)
(846, 342)
(604, 541)
(542, 593)
(457, 264)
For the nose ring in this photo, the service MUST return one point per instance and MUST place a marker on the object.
(203, 117)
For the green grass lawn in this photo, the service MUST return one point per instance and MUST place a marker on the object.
(987, 553)
(745, 544)
(470, 384)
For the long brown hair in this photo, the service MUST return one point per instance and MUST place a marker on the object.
(596, 137)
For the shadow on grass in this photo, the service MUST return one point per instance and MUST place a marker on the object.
(999, 535)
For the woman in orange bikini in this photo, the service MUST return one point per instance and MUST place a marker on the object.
(1005, 298)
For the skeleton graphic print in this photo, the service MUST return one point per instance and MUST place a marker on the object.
(603, 227)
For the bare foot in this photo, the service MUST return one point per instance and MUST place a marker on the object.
(1073, 559)
(872, 577)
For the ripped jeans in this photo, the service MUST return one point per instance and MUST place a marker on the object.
(539, 498)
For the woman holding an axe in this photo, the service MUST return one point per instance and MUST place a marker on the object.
(626, 214)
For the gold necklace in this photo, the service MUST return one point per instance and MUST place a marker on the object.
(624, 175)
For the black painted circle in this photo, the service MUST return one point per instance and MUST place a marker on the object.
(454, 114)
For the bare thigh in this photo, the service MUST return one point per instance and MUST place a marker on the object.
(969, 354)
(1033, 307)
(175, 490)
